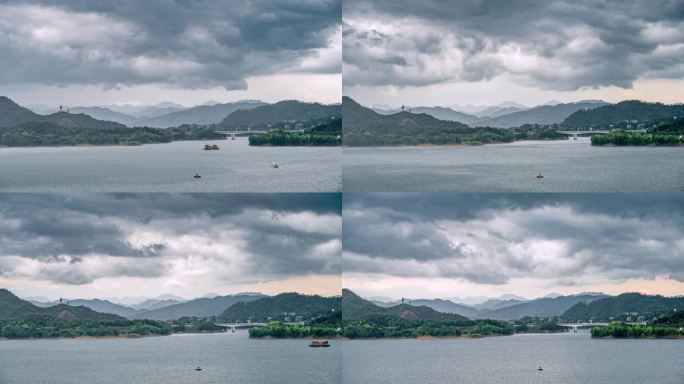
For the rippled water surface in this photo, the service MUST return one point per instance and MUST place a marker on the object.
(224, 358)
(572, 358)
(236, 167)
(567, 166)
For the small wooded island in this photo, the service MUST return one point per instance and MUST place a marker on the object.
(327, 132)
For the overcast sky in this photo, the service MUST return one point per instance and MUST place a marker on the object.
(76, 52)
(460, 245)
(103, 245)
(440, 52)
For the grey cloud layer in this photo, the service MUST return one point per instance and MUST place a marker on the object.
(491, 238)
(78, 238)
(560, 45)
(187, 43)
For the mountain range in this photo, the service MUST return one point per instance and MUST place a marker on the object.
(155, 309)
(543, 115)
(200, 307)
(506, 116)
(505, 309)
(246, 113)
(169, 116)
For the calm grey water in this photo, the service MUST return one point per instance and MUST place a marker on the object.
(568, 166)
(572, 358)
(237, 167)
(225, 358)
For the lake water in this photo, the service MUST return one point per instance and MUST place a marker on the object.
(572, 358)
(236, 167)
(225, 358)
(567, 166)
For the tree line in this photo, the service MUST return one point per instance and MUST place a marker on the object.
(49, 134)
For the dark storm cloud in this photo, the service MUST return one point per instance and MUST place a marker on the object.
(562, 45)
(189, 43)
(491, 238)
(279, 234)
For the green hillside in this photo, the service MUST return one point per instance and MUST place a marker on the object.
(51, 134)
(287, 307)
(618, 115)
(321, 132)
(21, 319)
(356, 308)
(671, 125)
(12, 114)
(624, 307)
(292, 111)
(363, 126)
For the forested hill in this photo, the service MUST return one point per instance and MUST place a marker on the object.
(13, 308)
(12, 115)
(363, 126)
(669, 126)
(355, 308)
(282, 306)
(290, 110)
(643, 112)
(622, 306)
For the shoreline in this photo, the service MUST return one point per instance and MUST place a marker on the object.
(638, 338)
(613, 145)
(85, 145)
(298, 338)
(461, 337)
(120, 337)
(432, 145)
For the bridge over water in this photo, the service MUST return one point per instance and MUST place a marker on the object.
(590, 132)
(234, 326)
(575, 326)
